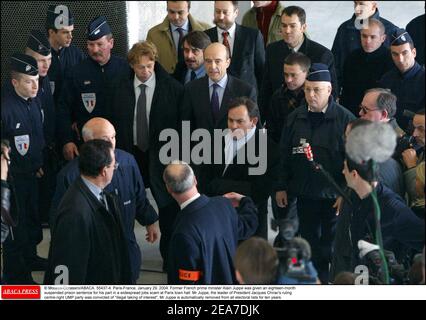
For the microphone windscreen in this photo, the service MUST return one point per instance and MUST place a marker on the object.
(373, 141)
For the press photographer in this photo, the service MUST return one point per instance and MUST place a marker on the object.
(294, 254)
(371, 258)
(398, 226)
(413, 156)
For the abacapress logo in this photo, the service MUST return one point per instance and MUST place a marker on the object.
(20, 292)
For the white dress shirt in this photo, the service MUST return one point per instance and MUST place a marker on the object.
(231, 36)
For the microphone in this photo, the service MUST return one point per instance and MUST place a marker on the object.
(307, 149)
(374, 141)
(308, 152)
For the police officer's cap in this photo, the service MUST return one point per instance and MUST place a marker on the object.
(37, 41)
(23, 63)
(319, 72)
(98, 28)
(400, 37)
(59, 16)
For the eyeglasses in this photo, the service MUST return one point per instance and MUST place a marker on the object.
(365, 110)
(314, 90)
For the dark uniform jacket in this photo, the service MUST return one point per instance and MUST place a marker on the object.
(326, 139)
(409, 89)
(363, 71)
(205, 239)
(248, 58)
(401, 228)
(348, 39)
(22, 126)
(284, 102)
(85, 93)
(62, 62)
(164, 114)
(88, 240)
(273, 78)
(129, 188)
(196, 106)
(416, 29)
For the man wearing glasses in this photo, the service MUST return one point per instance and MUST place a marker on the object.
(321, 123)
(379, 105)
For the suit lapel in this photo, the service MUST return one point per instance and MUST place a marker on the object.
(227, 96)
(205, 96)
(213, 35)
(238, 43)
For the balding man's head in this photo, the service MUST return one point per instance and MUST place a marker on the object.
(179, 177)
(99, 128)
(216, 61)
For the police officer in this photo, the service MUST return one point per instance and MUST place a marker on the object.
(22, 126)
(59, 28)
(407, 80)
(321, 123)
(39, 48)
(126, 183)
(84, 94)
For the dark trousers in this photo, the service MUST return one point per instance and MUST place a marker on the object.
(166, 218)
(317, 225)
(27, 201)
(262, 217)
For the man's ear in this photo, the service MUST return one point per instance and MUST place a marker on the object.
(14, 83)
(385, 114)
(255, 120)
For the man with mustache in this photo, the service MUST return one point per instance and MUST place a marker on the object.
(84, 93)
(192, 68)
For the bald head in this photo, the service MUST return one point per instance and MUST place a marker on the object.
(216, 61)
(179, 177)
(99, 128)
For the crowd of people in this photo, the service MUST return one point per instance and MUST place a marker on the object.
(84, 137)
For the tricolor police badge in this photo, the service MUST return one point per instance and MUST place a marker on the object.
(89, 101)
(22, 144)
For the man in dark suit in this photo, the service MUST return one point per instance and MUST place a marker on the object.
(293, 26)
(88, 238)
(192, 67)
(245, 44)
(144, 104)
(205, 102)
(237, 172)
(207, 230)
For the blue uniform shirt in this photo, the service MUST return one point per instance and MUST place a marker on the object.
(84, 93)
(62, 62)
(409, 89)
(22, 126)
(47, 109)
(127, 184)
